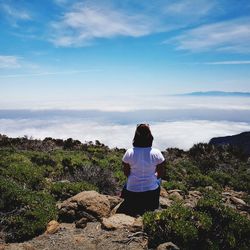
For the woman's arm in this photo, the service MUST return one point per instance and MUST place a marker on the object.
(160, 169)
(126, 168)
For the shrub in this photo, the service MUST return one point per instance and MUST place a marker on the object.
(168, 185)
(229, 230)
(25, 213)
(210, 226)
(178, 224)
(64, 190)
(25, 174)
(221, 178)
(103, 179)
(200, 180)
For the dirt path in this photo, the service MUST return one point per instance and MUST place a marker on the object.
(92, 237)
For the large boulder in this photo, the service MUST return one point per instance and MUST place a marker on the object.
(88, 204)
(118, 221)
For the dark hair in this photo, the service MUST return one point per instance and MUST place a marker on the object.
(143, 137)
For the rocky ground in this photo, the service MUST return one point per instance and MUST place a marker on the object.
(93, 236)
(93, 224)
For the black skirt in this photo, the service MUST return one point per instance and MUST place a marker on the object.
(137, 203)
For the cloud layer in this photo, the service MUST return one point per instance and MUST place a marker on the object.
(171, 128)
(181, 134)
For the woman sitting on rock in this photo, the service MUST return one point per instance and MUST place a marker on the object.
(144, 166)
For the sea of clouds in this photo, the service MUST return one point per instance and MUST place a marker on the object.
(175, 121)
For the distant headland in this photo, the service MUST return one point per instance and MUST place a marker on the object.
(217, 93)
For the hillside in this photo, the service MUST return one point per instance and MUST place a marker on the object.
(204, 199)
(219, 94)
(241, 141)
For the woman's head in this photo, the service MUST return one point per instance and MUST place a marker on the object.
(143, 137)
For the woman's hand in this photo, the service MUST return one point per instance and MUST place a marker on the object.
(126, 168)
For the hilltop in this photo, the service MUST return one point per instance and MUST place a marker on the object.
(205, 197)
(241, 141)
(218, 93)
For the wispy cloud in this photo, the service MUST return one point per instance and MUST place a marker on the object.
(228, 63)
(228, 36)
(48, 73)
(191, 8)
(84, 23)
(9, 62)
(15, 14)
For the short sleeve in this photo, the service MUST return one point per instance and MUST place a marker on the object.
(126, 157)
(160, 157)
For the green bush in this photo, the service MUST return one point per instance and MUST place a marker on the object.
(178, 224)
(168, 185)
(200, 180)
(25, 213)
(210, 226)
(229, 230)
(64, 190)
(221, 178)
(25, 174)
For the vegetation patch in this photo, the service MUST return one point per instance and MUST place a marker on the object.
(24, 213)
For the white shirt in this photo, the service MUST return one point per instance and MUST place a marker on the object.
(143, 162)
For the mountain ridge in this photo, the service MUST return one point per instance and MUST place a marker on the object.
(241, 141)
(216, 93)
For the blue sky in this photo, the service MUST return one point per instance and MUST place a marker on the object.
(71, 49)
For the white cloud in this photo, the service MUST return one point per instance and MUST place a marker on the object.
(191, 8)
(15, 13)
(181, 134)
(9, 62)
(47, 73)
(233, 36)
(84, 23)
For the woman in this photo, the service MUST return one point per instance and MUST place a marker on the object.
(144, 166)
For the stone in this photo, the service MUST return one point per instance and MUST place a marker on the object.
(167, 246)
(137, 225)
(52, 227)
(118, 221)
(88, 204)
(93, 202)
(114, 200)
(82, 223)
(237, 201)
(163, 192)
(165, 202)
(175, 195)
(195, 193)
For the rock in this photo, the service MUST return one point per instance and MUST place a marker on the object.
(117, 221)
(114, 200)
(237, 201)
(195, 193)
(192, 198)
(209, 188)
(163, 192)
(82, 223)
(115, 209)
(175, 195)
(167, 246)
(165, 202)
(175, 190)
(89, 204)
(52, 227)
(137, 225)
